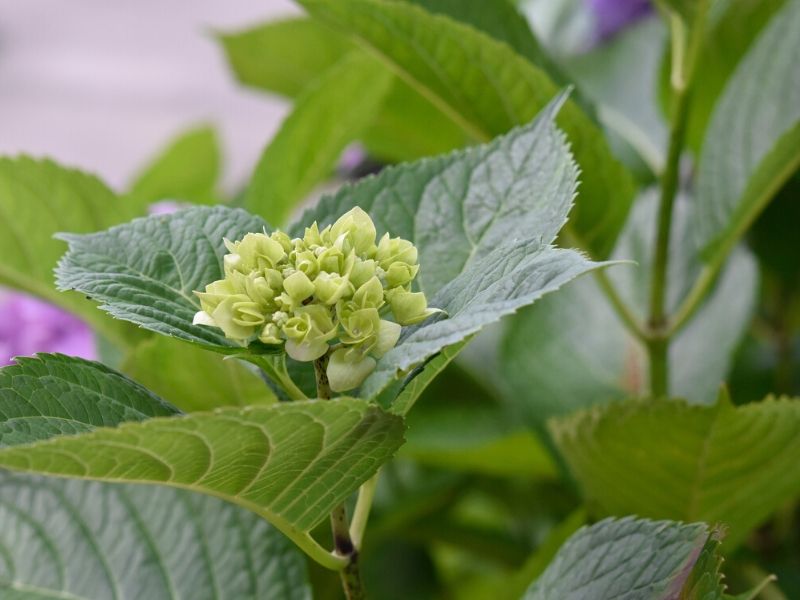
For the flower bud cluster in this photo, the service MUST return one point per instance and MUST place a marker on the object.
(330, 287)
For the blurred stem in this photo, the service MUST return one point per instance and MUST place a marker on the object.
(363, 505)
(624, 312)
(342, 543)
(684, 51)
(276, 370)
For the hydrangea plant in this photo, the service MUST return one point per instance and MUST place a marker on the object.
(392, 385)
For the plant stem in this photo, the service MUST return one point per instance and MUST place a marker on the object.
(342, 542)
(658, 342)
(363, 505)
(624, 312)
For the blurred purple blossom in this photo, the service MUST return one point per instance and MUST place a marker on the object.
(164, 207)
(29, 325)
(613, 15)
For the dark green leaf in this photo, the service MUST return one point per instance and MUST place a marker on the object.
(82, 540)
(623, 559)
(146, 271)
(482, 220)
(486, 88)
(53, 395)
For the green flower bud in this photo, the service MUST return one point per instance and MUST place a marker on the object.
(359, 325)
(400, 274)
(329, 288)
(306, 262)
(392, 250)
(308, 332)
(369, 295)
(388, 334)
(238, 317)
(260, 292)
(254, 252)
(270, 334)
(409, 307)
(284, 240)
(359, 230)
(298, 286)
(363, 271)
(348, 368)
(215, 293)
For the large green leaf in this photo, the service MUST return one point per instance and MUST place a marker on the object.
(482, 219)
(328, 115)
(291, 463)
(211, 381)
(666, 459)
(572, 351)
(624, 559)
(38, 198)
(146, 271)
(752, 144)
(82, 540)
(188, 169)
(486, 88)
(53, 395)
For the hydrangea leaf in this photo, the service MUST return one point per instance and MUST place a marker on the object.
(482, 220)
(752, 143)
(630, 558)
(86, 540)
(328, 115)
(667, 459)
(52, 395)
(486, 88)
(291, 463)
(146, 271)
(604, 361)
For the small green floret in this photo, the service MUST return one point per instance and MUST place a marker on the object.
(334, 287)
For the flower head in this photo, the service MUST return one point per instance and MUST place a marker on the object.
(337, 286)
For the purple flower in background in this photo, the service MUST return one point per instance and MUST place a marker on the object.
(613, 15)
(28, 325)
(165, 207)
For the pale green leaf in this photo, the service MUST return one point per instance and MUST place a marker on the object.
(291, 463)
(187, 169)
(330, 113)
(752, 144)
(482, 219)
(486, 88)
(39, 198)
(146, 271)
(623, 559)
(475, 439)
(80, 540)
(733, 27)
(53, 394)
(192, 378)
(284, 56)
(573, 351)
(288, 57)
(666, 459)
